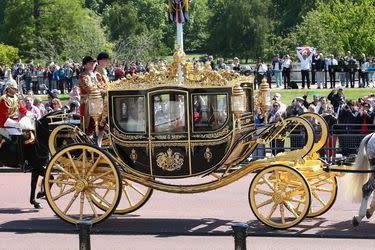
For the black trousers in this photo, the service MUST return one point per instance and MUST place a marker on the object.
(332, 79)
(305, 78)
(286, 76)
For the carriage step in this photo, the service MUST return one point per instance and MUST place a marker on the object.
(10, 170)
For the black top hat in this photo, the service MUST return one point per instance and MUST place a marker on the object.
(102, 55)
(87, 59)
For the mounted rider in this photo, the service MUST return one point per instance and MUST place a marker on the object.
(11, 110)
(89, 80)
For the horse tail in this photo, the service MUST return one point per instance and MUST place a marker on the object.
(354, 182)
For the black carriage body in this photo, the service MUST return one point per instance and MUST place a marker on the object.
(171, 132)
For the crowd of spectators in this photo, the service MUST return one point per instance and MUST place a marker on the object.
(345, 119)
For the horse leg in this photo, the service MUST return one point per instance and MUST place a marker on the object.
(34, 182)
(367, 190)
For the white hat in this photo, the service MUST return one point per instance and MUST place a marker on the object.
(11, 83)
(340, 87)
(277, 95)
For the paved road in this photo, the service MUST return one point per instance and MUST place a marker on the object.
(174, 221)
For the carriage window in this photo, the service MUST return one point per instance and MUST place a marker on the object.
(209, 112)
(130, 113)
(168, 113)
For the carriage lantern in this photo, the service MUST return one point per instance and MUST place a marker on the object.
(238, 101)
(264, 96)
(95, 102)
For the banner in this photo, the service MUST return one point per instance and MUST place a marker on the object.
(307, 50)
(178, 11)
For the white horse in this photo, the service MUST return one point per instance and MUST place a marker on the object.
(365, 160)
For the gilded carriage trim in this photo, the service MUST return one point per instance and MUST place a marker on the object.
(123, 136)
(133, 155)
(207, 154)
(170, 161)
(221, 133)
(126, 143)
(169, 137)
(227, 138)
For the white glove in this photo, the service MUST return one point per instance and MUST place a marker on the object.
(11, 123)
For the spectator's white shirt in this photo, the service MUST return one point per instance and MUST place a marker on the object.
(330, 62)
(364, 66)
(305, 63)
(262, 68)
(287, 63)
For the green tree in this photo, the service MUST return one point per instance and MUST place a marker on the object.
(239, 27)
(59, 28)
(8, 54)
(337, 26)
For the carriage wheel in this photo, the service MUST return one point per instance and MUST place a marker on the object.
(134, 196)
(324, 192)
(279, 196)
(75, 177)
(63, 136)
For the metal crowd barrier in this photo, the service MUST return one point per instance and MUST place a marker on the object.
(343, 141)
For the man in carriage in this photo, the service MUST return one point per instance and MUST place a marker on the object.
(11, 110)
(89, 81)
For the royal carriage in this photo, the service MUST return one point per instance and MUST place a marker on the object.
(200, 127)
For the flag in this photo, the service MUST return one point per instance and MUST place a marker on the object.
(306, 50)
(178, 11)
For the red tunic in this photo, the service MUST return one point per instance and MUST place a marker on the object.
(5, 111)
(86, 84)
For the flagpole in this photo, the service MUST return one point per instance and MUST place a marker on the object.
(180, 43)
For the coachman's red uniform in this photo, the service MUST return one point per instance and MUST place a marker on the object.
(89, 81)
(9, 108)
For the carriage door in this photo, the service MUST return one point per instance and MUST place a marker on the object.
(169, 133)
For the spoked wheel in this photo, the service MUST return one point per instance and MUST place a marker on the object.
(134, 196)
(323, 188)
(279, 196)
(75, 177)
(65, 135)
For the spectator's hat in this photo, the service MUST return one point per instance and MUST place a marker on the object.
(87, 59)
(300, 99)
(350, 103)
(103, 55)
(340, 88)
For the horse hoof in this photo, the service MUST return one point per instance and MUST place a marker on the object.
(40, 195)
(38, 206)
(368, 214)
(355, 222)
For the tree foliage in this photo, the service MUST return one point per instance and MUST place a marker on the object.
(239, 27)
(337, 26)
(59, 28)
(8, 54)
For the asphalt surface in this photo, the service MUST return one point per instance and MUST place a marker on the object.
(175, 221)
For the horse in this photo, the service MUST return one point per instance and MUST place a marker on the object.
(36, 155)
(364, 161)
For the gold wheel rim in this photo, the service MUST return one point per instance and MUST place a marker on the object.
(323, 188)
(279, 197)
(52, 140)
(80, 173)
(134, 195)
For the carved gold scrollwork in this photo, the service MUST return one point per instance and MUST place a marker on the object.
(207, 155)
(170, 161)
(133, 155)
